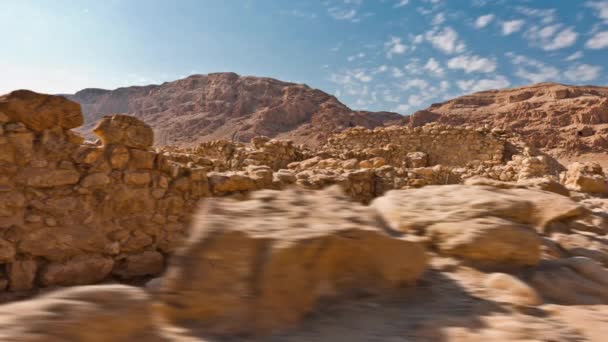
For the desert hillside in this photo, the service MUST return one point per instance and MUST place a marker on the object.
(228, 106)
(431, 233)
(562, 119)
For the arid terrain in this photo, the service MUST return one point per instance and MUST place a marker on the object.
(196, 219)
(228, 106)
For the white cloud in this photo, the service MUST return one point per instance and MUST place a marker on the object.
(512, 26)
(574, 56)
(433, 66)
(402, 108)
(397, 73)
(413, 67)
(484, 20)
(472, 63)
(533, 70)
(342, 14)
(598, 41)
(550, 37)
(401, 3)
(415, 100)
(438, 19)
(354, 57)
(583, 72)
(394, 47)
(483, 84)
(445, 40)
(601, 8)
(414, 83)
(362, 76)
(546, 16)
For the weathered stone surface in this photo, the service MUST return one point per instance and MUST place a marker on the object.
(40, 111)
(124, 130)
(91, 314)
(578, 281)
(545, 184)
(416, 209)
(48, 178)
(95, 180)
(148, 263)
(61, 243)
(7, 252)
(80, 270)
(260, 265)
(21, 274)
(586, 178)
(509, 289)
(489, 241)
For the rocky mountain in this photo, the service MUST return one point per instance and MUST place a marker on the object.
(228, 106)
(559, 118)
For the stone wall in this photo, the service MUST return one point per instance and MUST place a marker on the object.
(75, 212)
(445, 145)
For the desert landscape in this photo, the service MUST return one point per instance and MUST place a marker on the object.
(391, 170)
(437, 226)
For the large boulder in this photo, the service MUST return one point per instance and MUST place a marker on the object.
(485, 225)
(87, 314)
(259, 265)
(124, 130)
(40, 111)
(572, 281)
(586, 177)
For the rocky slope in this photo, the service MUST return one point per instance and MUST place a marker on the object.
(558, 118)
(228, 106)
(274, 252)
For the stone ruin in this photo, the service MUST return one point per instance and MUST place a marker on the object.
(77, 212)
(254, 263)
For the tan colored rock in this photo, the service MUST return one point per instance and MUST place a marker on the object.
(142, 159)
(148, 263)
(62, 243)
(260, 265)
(7, 252)
(416, 209)
(95, 180)
(586, 178)
(47, 178)
(545, 184)
(118, 156)
(87, 314)
(124, 130)
(491, 242)
(21, 274)
(417, 159)
(137, 178)
(508, 289)
(80, 270)
(39, 111)
(230, 182)
(572, 281)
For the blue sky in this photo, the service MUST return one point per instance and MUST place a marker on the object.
(396, 55)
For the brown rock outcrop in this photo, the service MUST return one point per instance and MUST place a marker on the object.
(228, 106)
(562, 118)
(260, 265)
(91, 314)
(40, 111)
(124, 130)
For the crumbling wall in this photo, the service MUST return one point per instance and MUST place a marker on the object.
(444, 145)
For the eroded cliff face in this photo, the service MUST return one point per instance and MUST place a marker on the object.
(559, 118)
(228, 106)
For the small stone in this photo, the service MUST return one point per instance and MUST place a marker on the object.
(33, 218)
(51, 222)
